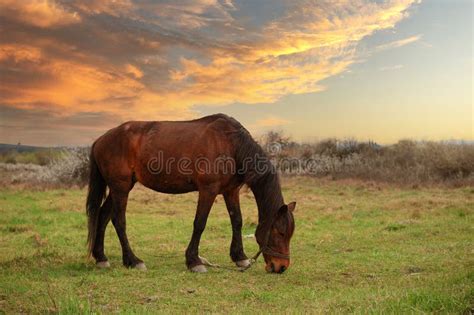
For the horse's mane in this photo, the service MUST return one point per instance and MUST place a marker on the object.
(265, 184)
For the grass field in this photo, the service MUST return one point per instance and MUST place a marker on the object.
(358, 247)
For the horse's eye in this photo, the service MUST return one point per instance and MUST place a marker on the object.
(281, 233)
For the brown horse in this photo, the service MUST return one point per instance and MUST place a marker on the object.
(212, 155)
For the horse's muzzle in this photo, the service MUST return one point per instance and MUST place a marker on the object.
(277, 267)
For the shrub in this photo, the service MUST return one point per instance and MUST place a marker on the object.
(69, 167)
(406, 162)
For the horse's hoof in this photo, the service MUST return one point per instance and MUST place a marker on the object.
(140, 266)
(243, 263)
(205, 262)
(103, 264)
(199, 269)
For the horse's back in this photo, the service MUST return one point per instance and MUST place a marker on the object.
(187, 152)
(129, 151)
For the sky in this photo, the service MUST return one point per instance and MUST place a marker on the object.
(379, 70)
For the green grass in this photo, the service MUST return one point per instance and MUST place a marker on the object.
(358, 247)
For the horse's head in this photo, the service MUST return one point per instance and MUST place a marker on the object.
(275, 243)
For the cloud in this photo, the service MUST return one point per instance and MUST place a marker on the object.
(159, 59)
(398, 43)
(191, 14)
(39, 13)
(131, 69)
(31, 77)
(390, 68)
(291, 55)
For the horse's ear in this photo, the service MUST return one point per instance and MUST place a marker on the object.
(291, 206)
(283, 209)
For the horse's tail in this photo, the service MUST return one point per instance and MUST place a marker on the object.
(95, 196)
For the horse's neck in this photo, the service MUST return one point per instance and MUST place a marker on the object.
(267, 192)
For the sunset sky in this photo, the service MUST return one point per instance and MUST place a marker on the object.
(365, 69)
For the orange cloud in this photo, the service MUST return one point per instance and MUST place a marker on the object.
(67, 84)
(110, 7)
(131, 69)
(40, 13)
(157, 60)
(292, 55)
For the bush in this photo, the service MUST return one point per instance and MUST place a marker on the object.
(406, 162)
(68, 167)
(72, 166)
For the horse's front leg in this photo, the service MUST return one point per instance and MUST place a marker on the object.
(236, 247)
(193, 261)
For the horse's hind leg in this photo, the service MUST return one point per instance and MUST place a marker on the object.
(118, 219)
(236, 248)
(104, 218)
